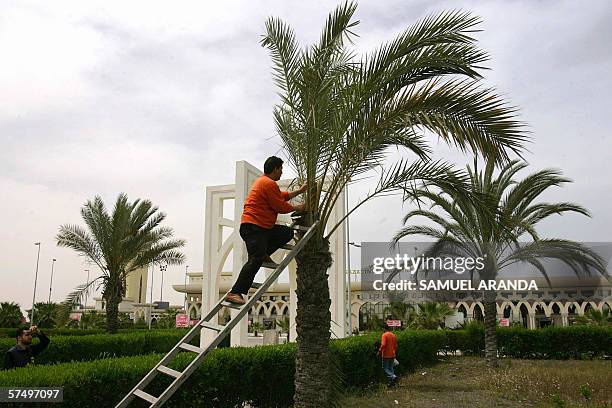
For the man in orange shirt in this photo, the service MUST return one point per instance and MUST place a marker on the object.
(387, 350)
(258, 226)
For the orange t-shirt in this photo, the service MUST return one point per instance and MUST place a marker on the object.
(264, 202)
(388, 345)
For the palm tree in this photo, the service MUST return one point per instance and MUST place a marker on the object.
(10, 314)
(594, 317)
(339, 114)
(284, 325)
(168, 319)
(46, 314)
(431, 315)
(490, 228)
(256, 327)
(398, 310)
(91, 320)
(119, 243)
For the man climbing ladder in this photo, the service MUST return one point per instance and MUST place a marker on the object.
(265, 201)
(258, 226)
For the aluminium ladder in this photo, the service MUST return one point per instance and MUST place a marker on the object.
(207, 323)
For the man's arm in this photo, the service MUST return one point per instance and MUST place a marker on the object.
(296, 193)
(8, 361)
(44, 342)
(383, 344)
(277, 201)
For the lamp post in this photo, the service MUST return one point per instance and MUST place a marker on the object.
(51, 281)
(162, 269)
(151, 306)
(35, 280)
(349, 285)
(185, 287)
(86, 292)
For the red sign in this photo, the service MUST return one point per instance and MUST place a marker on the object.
(394, 323)
(504, 322)
(182, 320)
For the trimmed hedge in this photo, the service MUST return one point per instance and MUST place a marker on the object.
(548, 343)
(64, 331)
(261, 376)
(93, 347)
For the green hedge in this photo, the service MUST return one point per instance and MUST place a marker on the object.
(85, 348)
(547, 343)
(64, 331)
(262, 376)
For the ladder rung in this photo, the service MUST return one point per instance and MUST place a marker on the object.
(299, 227)
(231, 305)
(213, 326)
(288, 247)
(145, 396)
(169, 371)
(270, 265)
(256, 285)
(189, 347)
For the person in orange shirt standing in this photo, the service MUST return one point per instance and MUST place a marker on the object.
(258, 226)
(387, 350)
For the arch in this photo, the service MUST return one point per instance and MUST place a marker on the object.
(524, 313)
(273, 311)
(462, 308)
(478, 311)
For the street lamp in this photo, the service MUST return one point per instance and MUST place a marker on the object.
(51, 281)
(35, 280)
(151, 306)
(185, 286)
(87, 291)
(162, 269)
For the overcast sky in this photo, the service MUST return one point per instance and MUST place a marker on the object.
(159, 101)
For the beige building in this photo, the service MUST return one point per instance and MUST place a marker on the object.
(532, 309)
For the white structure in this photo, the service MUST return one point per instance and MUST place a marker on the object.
(224, 251)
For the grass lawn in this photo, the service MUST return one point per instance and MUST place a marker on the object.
(466, 382)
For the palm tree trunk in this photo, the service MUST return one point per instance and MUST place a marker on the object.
(312, 367)
(490, 321)
(112, 313)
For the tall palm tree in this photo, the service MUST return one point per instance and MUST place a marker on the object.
(491, 228)
(119, 243)
(339, 114)
(10, 314)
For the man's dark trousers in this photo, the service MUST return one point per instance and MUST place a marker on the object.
(260, 243)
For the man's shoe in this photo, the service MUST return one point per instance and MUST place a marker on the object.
(235, 298)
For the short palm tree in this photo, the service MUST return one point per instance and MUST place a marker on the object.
(340, 113)
(492, 227)
(46, 315)
(119, 243)
(594, 317)
(10, 314)
(397, 310)
(430, 315)
(91, 320)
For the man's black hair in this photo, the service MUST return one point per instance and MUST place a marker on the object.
(20, 331)
(272, 163)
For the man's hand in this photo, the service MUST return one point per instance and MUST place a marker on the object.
(300, 207)
(34, 330)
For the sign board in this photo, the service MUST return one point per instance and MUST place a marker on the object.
(182, 320)
(394, 323)
(504, 322)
